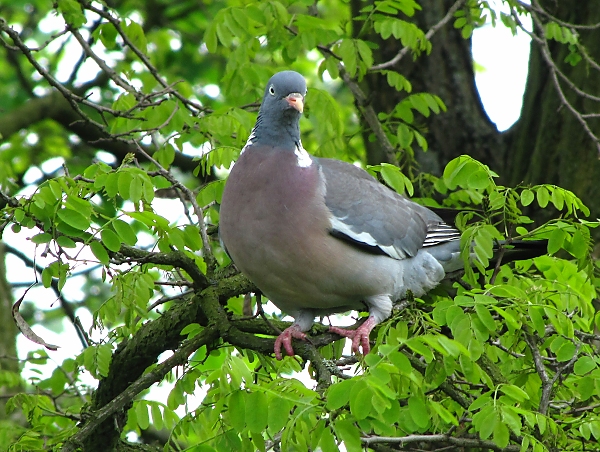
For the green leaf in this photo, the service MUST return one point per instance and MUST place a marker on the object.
(543, 196)
(103, 359)
(111, 185)
(512, 322)
(279, 413)
(237, 410)
(191, 330)
(361, 401)
(514, 392)
(65, 242)
(578, 245)
(125, 180)
(47, 274)
(488, 425)
(74, 219)
(110, 240)
(192, 237)
(421, 141)
(584, 365)
(443, 413)
(349, 434)
(501, 435)
(327, 442)
(537, 319)
(347, 51)
(43, 237)
(176, 237)
(419, 104)
(558, 199)
(416, 345)
(257, 411)
(486, 318)
(72, 12)
(479, 180)
(566, 351)
(141, 413)
(556, 240)
(175, 398)
(108, 35)
(338, 394)
(157, 418)
(125, 231)
(418, 411)
(480, 402)
(405, 136)
(394, 178)
(398, 81)
(135, 33)
(100, 252)
(136, 189)
(527, 197)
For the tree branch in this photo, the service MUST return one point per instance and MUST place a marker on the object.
(433, 30)
(450, 440)
(368, 112)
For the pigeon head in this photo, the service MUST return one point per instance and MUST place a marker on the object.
(280, 110)
(284, 93)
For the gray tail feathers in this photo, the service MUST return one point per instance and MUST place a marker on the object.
(448, 253)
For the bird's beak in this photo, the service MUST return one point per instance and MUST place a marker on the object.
(296, 100)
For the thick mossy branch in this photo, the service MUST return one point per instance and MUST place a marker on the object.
(175, 259)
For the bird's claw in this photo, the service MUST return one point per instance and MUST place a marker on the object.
(359, 336)
(285, 340)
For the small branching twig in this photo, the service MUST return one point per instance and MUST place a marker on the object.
(433, 30)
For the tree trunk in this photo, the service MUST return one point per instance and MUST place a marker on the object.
(8, 335)
(546, 145)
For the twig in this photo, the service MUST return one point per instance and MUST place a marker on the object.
(433, 30)
(194, 107)
(536, 7)
(455, 441)
(541, 370)
(208, 256)
(369, 114)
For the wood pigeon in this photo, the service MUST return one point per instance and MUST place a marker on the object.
(320, 236)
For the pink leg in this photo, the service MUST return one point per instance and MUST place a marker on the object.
(359, 336)
(285, 340)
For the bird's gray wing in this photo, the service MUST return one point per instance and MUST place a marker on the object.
(369, 215)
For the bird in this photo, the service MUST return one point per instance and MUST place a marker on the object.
(320, 236)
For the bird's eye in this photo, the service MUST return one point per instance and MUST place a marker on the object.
(271, 90)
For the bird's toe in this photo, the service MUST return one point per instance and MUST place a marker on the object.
(285, 340)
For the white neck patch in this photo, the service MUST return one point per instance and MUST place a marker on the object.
(248, 141)
(304, 159)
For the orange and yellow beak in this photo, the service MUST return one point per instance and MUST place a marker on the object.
(296, 100)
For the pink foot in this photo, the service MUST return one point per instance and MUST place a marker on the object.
(285, 340)
(359, 336)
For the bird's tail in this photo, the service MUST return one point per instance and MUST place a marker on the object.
(448, 253)
(517, 250)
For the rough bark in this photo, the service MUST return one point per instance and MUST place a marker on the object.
(448, 73)
(8, 338)
(546, 145)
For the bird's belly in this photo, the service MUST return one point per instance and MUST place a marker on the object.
(324, 275)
